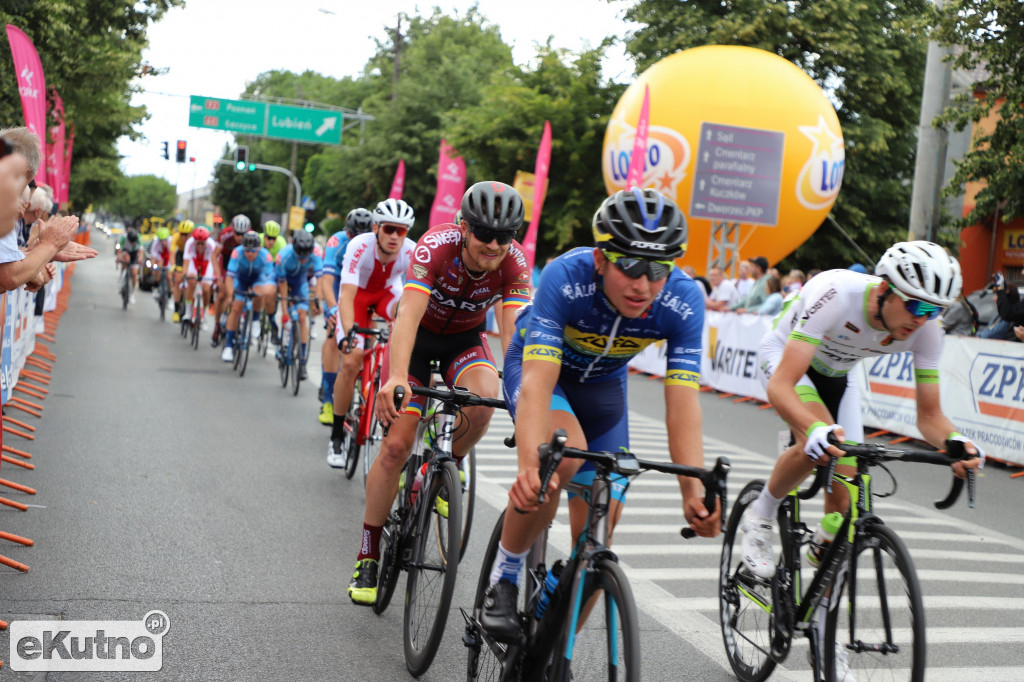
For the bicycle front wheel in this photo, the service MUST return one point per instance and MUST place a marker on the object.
(467, 470)
(352, 422)
(877, 623)
(745, 601)
(487, 659)
(284, 362)
(246, 342)
(241, 338)
(296, 361)
(433, 569)
(607, 647)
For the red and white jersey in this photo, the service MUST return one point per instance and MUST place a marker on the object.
(362, 265)
(161, 251)
(199, 252)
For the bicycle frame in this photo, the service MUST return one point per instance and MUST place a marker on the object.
(373, 358)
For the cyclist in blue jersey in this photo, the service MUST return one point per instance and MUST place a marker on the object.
(250, 268)
(566, 368)
(293, 265)
(358, 221)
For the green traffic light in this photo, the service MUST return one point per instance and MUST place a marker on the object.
(310, 227)
(240, 166)
(252, 166)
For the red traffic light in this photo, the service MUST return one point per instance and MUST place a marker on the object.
(181, 151)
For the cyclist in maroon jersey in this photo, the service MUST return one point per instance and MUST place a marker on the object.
(457, 272)
(227, 240)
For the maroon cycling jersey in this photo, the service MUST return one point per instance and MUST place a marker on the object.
(228, 241)
(459, 300)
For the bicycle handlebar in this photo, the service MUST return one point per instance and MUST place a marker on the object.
(458, 396)
(381, 334)
(875, 453)
(628, 464)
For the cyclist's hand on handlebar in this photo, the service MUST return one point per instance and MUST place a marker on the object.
(702, 522)
(817, 447)
(977, 462)
(385, 407)
(525, 490)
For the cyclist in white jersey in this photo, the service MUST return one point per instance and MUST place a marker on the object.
(838, 318)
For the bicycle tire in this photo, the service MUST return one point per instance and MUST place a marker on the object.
(243, 353)
(197, 322)
(468, 468)
(744, 601)
(296, 354)
(487, 661)
(607, 646)
(391, 544)
(284, 362)
(162, 296)
(263, 343)
(880, 588)
(433, 569)
(351, 443)
(125, 289)
(243, 329)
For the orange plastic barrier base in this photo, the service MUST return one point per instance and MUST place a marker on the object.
(13, 564)
(11, 503)
(15, 432)
(16, 538)
(19, 424)
(18, 462)
(17, 486)
(19, 453)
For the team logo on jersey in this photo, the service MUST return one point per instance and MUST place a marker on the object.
(422, 254)
(852, 327)
(419, 271)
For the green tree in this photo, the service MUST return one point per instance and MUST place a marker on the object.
(868, 55)
(502, 133)
(144, 196)
(91, 52)
(991, 35)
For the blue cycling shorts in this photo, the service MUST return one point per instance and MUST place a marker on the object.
(298, 287)
(244, 282)
(599, 407)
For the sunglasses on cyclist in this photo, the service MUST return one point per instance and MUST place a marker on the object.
(634, 268)
(400, 230)
(250, 249)
(487, 235)
(917, 307)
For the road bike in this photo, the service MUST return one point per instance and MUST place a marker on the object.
(242, 340)
(553, 644)
(163, 291)
(421, 530)
(290, 362)
(362, 430)
(198, 312)
(866, 581)
(125, 287)
(263, 341)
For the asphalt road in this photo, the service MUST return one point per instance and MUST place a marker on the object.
(167, 482)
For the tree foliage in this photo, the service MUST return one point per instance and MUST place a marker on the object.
(143, 196)
(990, 35)
(90, 52)
(868, 55)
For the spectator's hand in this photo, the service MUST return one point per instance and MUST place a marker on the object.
(37, 282)
(59, 231)
(1019, 332)
(73, 251)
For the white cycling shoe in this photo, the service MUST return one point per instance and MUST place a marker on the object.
(756, 545)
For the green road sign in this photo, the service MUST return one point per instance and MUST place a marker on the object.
(238, 116)
(318, 126)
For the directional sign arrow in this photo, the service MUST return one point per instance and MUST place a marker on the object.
(328, 124)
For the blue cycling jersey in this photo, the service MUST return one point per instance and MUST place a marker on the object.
(570, 322)
(261, 267)
(291, 268)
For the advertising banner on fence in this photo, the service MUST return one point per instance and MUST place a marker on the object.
(730, 352)
(19, 338)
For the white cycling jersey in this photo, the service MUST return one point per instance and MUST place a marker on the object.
(831, 313)
(363, 268)
(191, 247)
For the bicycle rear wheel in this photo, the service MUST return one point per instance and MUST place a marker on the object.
(433, 568)
(352, 423)
(197, 321)
(243, 355)
(164, 293)
(878, 620)
(467, 468)
(126, 288)
(284, 362)
(296, 360)
(392, 546)
(607, 647)
(745, 602)
(487, 660)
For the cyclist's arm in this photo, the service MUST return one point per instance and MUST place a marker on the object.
(533, 427)
(508, 327)
(400, 345)
(346, 307)
(936, 426)
(327, 291)
(686, 446)
(796, 359)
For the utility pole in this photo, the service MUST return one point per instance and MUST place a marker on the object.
(398, 58)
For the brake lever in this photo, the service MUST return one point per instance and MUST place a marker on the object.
(714, 488)
(398, 395)
(550, 450)
(833, 461)
(956, 451)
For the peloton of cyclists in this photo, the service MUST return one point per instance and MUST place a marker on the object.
(227, 242)
(250, 269)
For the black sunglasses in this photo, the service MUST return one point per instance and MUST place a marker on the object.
(488, 235)
(635, 268)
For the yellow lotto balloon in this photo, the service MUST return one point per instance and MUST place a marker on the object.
(736, 134)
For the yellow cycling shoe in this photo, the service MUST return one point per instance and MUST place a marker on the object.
(176, 317)
(327, 414)
(363, 588)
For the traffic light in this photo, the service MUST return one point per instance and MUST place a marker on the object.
(181, 151)
(242, 159)
(167, 153)
(309, 227)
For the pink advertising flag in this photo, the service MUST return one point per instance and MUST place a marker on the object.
(451, 184)
(540, 190)
(66, 179)
(55, 150)
(399, 182)
(635, 176)
(31, 87)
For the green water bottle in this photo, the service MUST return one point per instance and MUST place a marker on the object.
(824, 534)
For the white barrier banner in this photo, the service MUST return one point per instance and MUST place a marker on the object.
(729, 362)
(886, 384)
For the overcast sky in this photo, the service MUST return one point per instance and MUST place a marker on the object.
(214, 47)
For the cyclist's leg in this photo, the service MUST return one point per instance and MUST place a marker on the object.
(350, 367)
(330, 361)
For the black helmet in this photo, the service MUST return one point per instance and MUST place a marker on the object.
(250, 240)
(302, 242)
(132, 236)
(641, 223)
(358, 221)
(494, 205)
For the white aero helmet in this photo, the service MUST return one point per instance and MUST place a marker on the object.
(922, 270)
(394, 211)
